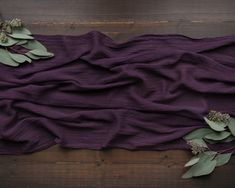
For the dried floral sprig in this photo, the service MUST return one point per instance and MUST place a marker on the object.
(196, 147)
(16, 23)
(218, 116)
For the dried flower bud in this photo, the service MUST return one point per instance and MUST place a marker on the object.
(16, 23)
(218, 116)
(196, 148)
(226, 117)
(3, 37)
(8, 29)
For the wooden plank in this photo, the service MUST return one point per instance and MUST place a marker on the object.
(123, 31)
(121, 19)
(58, 154)
(113, 10)
(58, 167)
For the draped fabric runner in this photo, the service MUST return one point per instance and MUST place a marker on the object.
(146, 93)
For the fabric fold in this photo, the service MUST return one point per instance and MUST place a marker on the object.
(145, 93)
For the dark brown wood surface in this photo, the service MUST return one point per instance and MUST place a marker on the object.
(120, 19)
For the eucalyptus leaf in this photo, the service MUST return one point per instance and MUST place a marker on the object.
(192, 161)
(217, 126)
(211, 141)
(231, 125)
(210, 153)
(229, 139)
(10, 42)
(41, 53)
(19, 58)
(204, 166)
(188, 174)
(20, 36)
(22, 30)
(222, 159)
(21, 42)
(6, 59)
(33, 44)
(218, 135)
(198, 133)
(32, 56)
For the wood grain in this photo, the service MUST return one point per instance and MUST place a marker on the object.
(122, 19)
(59, 167)
(121, 10)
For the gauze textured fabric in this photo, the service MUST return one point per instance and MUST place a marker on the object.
(144, 94)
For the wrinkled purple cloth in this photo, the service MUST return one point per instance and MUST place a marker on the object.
(146, 93)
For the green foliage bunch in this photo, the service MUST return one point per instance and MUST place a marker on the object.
(13, 34)
(221, 129)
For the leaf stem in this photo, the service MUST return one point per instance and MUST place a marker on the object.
(228, 149)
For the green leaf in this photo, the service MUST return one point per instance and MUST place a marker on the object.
(19, 58)
(32, 56)
(10, 42)
(20, 36)
(6, 59)
(217, 126)
(222, 159)
(229, 139)
(218, 135)
(192, 161)
(21, 42)
(22, 30)
(204, 166)
(198, 133)
(231, 125)
(33, 44)
(41, 53)
(188, 174)
(211, 141)
(211, 153)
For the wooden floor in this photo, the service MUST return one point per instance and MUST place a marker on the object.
(120, 19)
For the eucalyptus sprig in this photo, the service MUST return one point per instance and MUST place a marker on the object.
(13, 34)
(221, 129)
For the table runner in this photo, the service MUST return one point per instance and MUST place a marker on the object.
(143, 94)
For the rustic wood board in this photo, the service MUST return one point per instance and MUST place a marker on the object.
(59, 167)
(120, 19)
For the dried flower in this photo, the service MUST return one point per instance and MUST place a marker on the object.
(196, 148)
(3, 37)
(16, 23)
(5, 27)
(218, 116)
(8, 29)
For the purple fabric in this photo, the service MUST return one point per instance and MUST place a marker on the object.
(146, 93)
